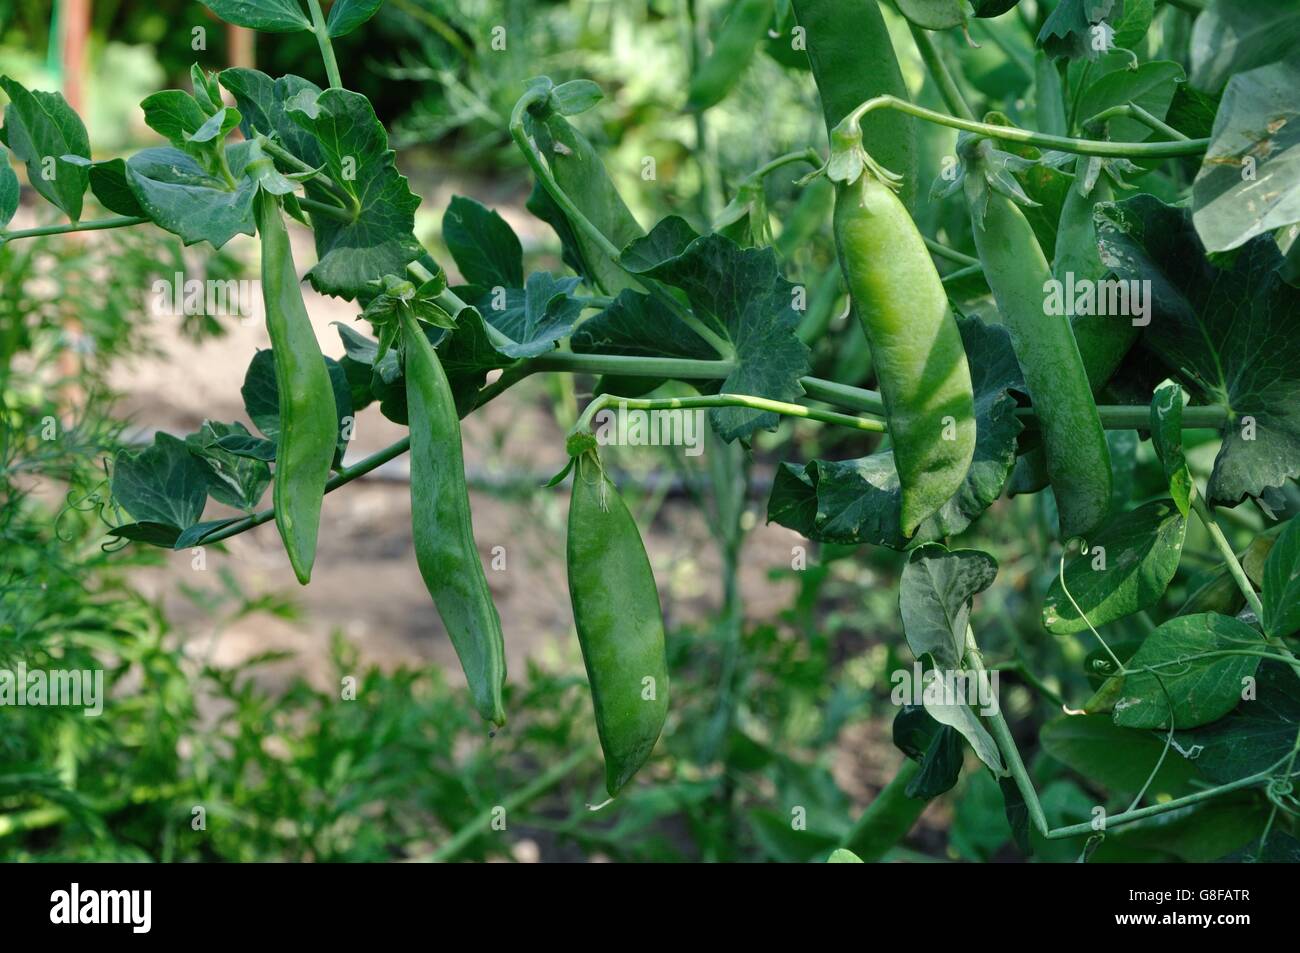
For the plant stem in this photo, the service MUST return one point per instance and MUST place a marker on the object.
(1136, 417)
(319, 27)
(939, 71)
(725, 400)
(1087, 147)
(529, 792)
(121, 221)
(1134, 111)
(675, 367)
(952, 254)
(1229, 557)
(329, 211)
(809, 155)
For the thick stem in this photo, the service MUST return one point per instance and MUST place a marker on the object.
(322, 32)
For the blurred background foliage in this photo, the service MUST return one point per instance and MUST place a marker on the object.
(767, 716)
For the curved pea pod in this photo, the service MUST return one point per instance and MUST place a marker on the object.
(308, 435)
(852, 61)
(1103, 340)
(1074, 443)
(444, 534)
(740, 35)
(915, 345)
(620, 625)
(582, 176)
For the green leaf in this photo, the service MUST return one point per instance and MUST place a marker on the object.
(353, 147)
(108, 182)
(1127, 567)
(1281, 588)
(238, 480)
(162, 484)
(1249, 181)
(40, 128)
(269, 16)
(575, 97)
(937, 589)
(1255, 736)
(1118, 759)
(155, 534)
(937, 747)
(859, 501)
(1167, 438)
(1225, 331)
(534, 318)
(181, 197)
(957, 715)
(1151, 86)
(9, 189)
(347, 15)
(261, 396)
(1180, 678)
(1017, 814)
(1231, 38)
(485, 248)
(934, 14)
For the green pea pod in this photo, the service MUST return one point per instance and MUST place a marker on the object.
(581, 175)
(308, 434)
(444, 535)
(620, 625)
(919, 358)
(1103, 340)
(852, 61)
(1078, 459)
(740, 35)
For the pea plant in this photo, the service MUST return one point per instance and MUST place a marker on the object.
(1130, 277)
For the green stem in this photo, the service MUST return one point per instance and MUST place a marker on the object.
(1136, 417)
(329, 211)
(122, 221)
(319, 27)
(1136, 112)
(952, 254)
(584, 224)
(529, 792)
(809, 155)
(725, 400)
(277, 151)
(1087, 147)
(939, 71)
(1225, 549)
(630, 366)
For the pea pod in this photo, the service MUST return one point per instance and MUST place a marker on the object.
(915, 345)
(444, 534)
(581, 175)
(852, 61)
(1078, 459)
(740, 35)
(308, 434)
(620, 625)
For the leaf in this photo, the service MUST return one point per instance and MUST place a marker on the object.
(1186, 672)
(269, 16)
(9, 189)
(155, 534)
(1249, 182)
(162, 484)
(934, 14)
(1150, 86)
(842, 856)
(1067, 31)
(1281, 585)
(40, 128)
(1255, 736)
(179, 196)
(935, 596)
(353, 147)
(937, 747)
(238, 480)
(956, 714)
(1226, 333)
(575, 97)
(108, 182)
(1231, 38)
(533, 319)
(1167, 438)
(858, 501)
(196, 534)
(1017, 814)
(485, 248)
(347, 15)
(1118, 759)
(261, 396)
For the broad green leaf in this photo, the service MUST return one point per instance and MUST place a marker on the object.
(108, 182)
(937, 747)
(1249, 182)
(1183, 667)
(40, 128)
(9, 189)
(1280, 848)
(842, 856)
(1067, 31)
(935, 596)
(858, 501)
(269, 16)
(261, 396)
(485, 248)
(1198, 833)
(1230, 38)
(1226, 333)
(1150, 86)
(347, 15)
(1118, 759)
(1252, 738)
(533, 319)
(1167, 438)
(353, 148)
(1281, 589)
(196, 534)
(956, 714)
(155, 534)
(979, 824)
(162, 484)
(253, 447)
(237, 480)
(575, 97)
(1127, 567)
(181, 197)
